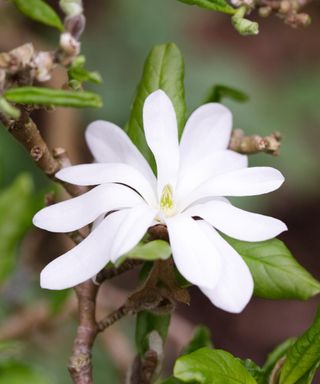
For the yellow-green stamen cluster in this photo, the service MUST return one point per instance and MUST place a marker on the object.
(167, 204)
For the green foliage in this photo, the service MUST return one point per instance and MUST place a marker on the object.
(57, 299)
(200, 339)
(207, 366)
(146, 323)
(9, 349)
(171, 380)
(276, 274)
(40, 11)
(163, 69)
(303, 356)
(273, 357)
(309, 376)
(49, 97)
(155, 250)
(17, 206)
(78, 72)
(255, 371)
(9, 110)
(218, 92)
(244, 26)
(214, 5)
(16, 372)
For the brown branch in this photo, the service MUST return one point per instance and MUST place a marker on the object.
(241, 143)
(80, 366)
(115, 316)
(26, 132)
(109, 273)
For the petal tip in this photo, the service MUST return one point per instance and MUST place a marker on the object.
(156, 97)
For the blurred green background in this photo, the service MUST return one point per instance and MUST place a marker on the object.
(279, 70)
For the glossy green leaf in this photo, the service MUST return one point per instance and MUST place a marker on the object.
(303, 356)
(200, 339)
(17, 206)
(208, 366)
(163, 69)
(155, 250)
(171, 380)
(276, 274)
(49, 97)
(309, 376)
(40, 11)
(276, 355)
(219, 92)
(214, 5)
(145, 324)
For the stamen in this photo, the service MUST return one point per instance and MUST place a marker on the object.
(167, 204)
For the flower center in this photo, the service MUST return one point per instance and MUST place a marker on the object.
(167, 205)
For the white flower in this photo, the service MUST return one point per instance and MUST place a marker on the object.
(191, 179)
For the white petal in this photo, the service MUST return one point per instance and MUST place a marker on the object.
(208, 129)
(160, 126)
(86, 259)
(196, 258)
(237, 223)
(243, 182)
(75, 213)
(235, 287)
(132, 229)
(94, 174)
(204, 168)
(110, 144)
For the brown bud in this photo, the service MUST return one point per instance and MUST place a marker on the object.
(265, 11)
(43, 65)
(75, 25)
(285, 7)
(298, 20)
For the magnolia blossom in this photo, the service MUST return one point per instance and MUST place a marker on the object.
(186, 196)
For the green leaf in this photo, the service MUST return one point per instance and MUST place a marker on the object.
(17, 206)
(145, 324)
(10, 349)
(218, 92)
(163, 69)
(155, 250)
(276, 355)
(14, 372)
(200, 339)
(303, 356)
(309, 376)
(9, 110)
(171, 380)
(57, 299)
(255, 371)
(276, 274)
(79, 73)
(56, 97)
(40, 11)
(208, 366)
(244, 26)
(214, 5)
